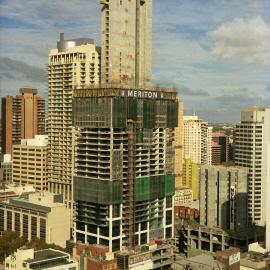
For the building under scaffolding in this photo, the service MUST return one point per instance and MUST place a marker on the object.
(124, 170)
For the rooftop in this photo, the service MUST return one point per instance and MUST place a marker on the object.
(47, 254)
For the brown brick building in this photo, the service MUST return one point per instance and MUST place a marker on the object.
(23, 117)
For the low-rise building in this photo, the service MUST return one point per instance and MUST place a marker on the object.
(94, 257)
(41, 215)
(158, 255)
(184, 212)
(182, 195)
(49, 259)
(6, 166)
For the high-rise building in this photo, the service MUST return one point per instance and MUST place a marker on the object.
(75, 63)
(23, 117)
(197, 140)
(268, 199)
(126, 36)
(223, 197)
(191, 177)
(29, 166)
(179, 150)
(216, 153)
(124, 171)
(251, 137)
(221, 139)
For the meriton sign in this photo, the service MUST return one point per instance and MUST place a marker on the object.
(142, 94)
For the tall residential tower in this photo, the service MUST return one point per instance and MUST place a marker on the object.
(23, 117)
(74, 63)
(251, 137)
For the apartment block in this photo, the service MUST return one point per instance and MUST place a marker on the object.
(29, 259)
(197, 140)
(222, 140)
(41, 215)
(223, 197)
(126, 41)
(251, 137)
(75, 63)
(124, 171)
(191, 177)
(23, 117)
(29, 165)
(216, 153)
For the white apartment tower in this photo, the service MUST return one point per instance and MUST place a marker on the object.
(251, 137)
(75, 63)
(197, 140)
(126, 31)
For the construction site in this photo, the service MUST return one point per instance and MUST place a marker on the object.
(124, 181)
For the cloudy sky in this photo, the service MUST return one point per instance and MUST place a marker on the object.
(216, 52)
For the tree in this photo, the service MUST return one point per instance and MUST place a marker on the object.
(10, 241)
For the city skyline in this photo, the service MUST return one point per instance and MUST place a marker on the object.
(216, 53)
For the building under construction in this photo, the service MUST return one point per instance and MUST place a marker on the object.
(124, 170)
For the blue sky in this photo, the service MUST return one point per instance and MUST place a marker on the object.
(216, 52)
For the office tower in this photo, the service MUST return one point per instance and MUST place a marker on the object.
(6, 166)
(126, 36)
(40, 215)
(75, 63)
(124, 172)
(197, 140)
(30, 162)
(223, 197)
(23, 117)
(179, 151)
(220, 138)
(251, 137)
(191, 177)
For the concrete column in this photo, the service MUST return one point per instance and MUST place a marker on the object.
(200, 239)
(211, 242)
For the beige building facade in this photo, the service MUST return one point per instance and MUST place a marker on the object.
(29, 165)
(197, 140)
(251, 138)
(43, 215)
(75, 63)
(179, 150)
(182, 196)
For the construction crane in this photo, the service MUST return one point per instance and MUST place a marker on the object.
(104, 2)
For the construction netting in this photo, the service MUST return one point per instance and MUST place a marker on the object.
(153, 187)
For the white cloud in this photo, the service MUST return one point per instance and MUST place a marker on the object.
(242, 40)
